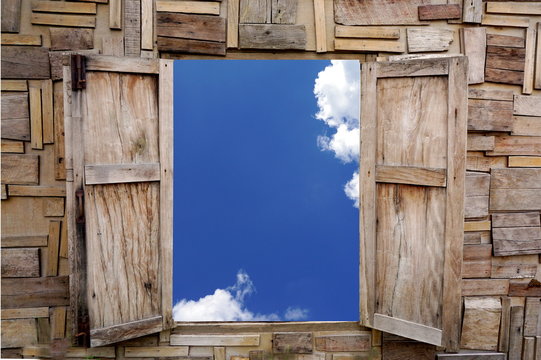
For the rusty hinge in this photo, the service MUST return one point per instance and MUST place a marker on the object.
(78, 72)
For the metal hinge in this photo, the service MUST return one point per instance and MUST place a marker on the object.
(78, 72)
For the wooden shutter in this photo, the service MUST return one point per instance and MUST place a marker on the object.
(119, 142)
(413, 149)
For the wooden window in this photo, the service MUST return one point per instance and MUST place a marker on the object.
(119, 146)
(413, 148)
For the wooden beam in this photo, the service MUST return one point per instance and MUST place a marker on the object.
(147, 24)
(24, 241)
(408, 329)
(272, 37)
(25, 313)
(474, 47)
(24, 190)
(117, 333)
(115, 14)
(509, 21)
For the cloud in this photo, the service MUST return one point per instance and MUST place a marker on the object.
(337, 90)
(228, 305)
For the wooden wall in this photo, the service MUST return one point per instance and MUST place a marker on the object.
(502, 272)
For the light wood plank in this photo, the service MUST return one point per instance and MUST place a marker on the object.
(52, 249)
(19, 333)
(474, 47)
(490, 94)
(527, 87)
(24, 241)
(233, 23)
(428, 67)
(524, 161)
(472, 11)
(190, 7)
(423, 40)
(15, 116)
(14, 85)
(147, 24)
(283, 11)
(516, 332)
(53, 207)
(64, 7)
(513, 7)
(480, 142)
(320, 25)
(372, 45)
(214, 340)
(20, 263)
(272, 37)
(480, 328)
(515, 219)
(516, 145)
(527, 105)
(477, 225)
(509, 21)
(255, 11)
(377, 12)
(367, 32)
(78, 352)
(9, 146)
(532, 317)
(25, 190)
(526, 125)
(126, 331)
(18, 39)
(116, 64)
(411, 175)
(59, 136)
(345, 342)
(195, 27)
(155, 351)
(36, 123)
(503, 340)
(122, 173)
(490, 115)
(408, 329)
(63, 20)
(58, 322)
(20, 169)
(47, 111)
(115, 14)
(25, 313)
(485, 287)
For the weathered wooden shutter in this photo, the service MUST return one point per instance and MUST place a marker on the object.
(119, 140)
(413, 149)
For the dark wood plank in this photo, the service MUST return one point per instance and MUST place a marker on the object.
(518, 53)
(21, 262)
(15, 116)
(11, 15)
(343, 343)
(506, 41)
(189, 26)
(504, 76)
(132, 27)
(292, 343)
(71, 39)
(490, 115)
(22, 169)
(191, 46)
(272, 37)
(525, 288)
(495, 61)
(377, 12)
(515, 219)
(35, 292)
(516, 145)
(400, 350)
(25, 62)
(439, 12)
(116, 333)
(477, 261)
(515, 332)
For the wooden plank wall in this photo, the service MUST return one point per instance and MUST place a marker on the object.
(502, 272)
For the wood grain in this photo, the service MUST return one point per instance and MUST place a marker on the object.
(11, 16)
(423, 40)
(132, 27)
(284, 11)
(11, 146)
(25, 313)
(35, 292)
(19, 333)
(15, 116)
(343, 343)
(474, 47)
(196, 27)
(516, 332)
(320, 23)
(490, 115)
(377, 12)
(191, 46)
(215, 340)
(485, 287)
(477, 261)
(439, 12)
(528, 8)
(472, 11)
(255, 11)
(71, 39)
(122, 173)
(516, 145)
(27, 62)
(272, 37)
(190, 7)
(480, 328)
(527, 105)
(297, 343)
(373, 45)
(505, 40)
(20, 169)
(18, 39)
(411, 175)
(528, 85)
(63, 20)
(21, 262)
(233, 9)
(367, 32)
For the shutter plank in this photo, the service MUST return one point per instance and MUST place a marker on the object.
(123, 173)
(411, 175)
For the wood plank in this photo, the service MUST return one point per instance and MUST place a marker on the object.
(527, 105)
(505, 41)
(36, 122)
(474, 47)
(284, 11)
(424, 40)
(504, 76)
(53, 207)
(505, 325)
(64, 7)
(525, 288)
(11, 16)
(490, 115)
(22, 262)
(291, 342)
(59, 144)
(475, 355)
(504, 62)
(25, 313)
(409, 329)
(35, 292)
(343, 342)
(372, 45)
(14, 85)
(116, 333)
(20, 169)
(10, 146)
(476, 207)
(526, 125)
(113, 46)
(15, 116)
(528, 350)
(156, 351)
(78, 352)
(532, 317)
(132, 27)
(18, 39)
(19, 333)
(320, 24)
(477, 225)
(525, 161)
(478, 142)
(233, 23)
(63, 20)
(71, 39)
(439, 12)
(122, 173)
(515, 332)
(23, 241)
(377, 12)
(527, 87)
(481, 324)
(367, 32)
(255, 12)
(196, 27)
(472, 11)
(516, 145)
(272, 37)
(191, 46)
(512, 7)
(516, 241)
(411, 175)
(47, 111)
(514, 267)
(32, 191)
(27, 62)
(128, 65)
(477, 261)
(485, 287)
(190, 7)
(428, 67)
(515, 199)
(214, 340)
(516, 179)
(537, 77)
(52, 249)
(147, 25)
(505, 220)
(508, 21)
(115, 14)
(58, 322)
(490, 94)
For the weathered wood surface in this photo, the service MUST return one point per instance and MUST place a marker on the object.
(514, 267)
(490, 115)
(196, 27)
(472, 11)
(18, 39)
(505, 41)
(294, 343)
(505, 58)
(516, 241)
(490, 94)
(480, 328)
(478, 142)
(284, 11)
(22, 262)
(20, 169)
(424, 40)
(411, 175)
(377, 12)
(343, 343)
(525, 288)
(527, 105)
(515, 189)
(14, 85)
(233, 8)
(122, 173)
(132, 27)
(25, 313)
(529, 8)
(474, 47)
(367, 32)
(526, 125)
(516, 145)
(11, 146)
(516, 332)
(190, 7)
(191, 46)
(509, 21)
(525, 161)
(272, 37)
(505, 220)
(373, 45)
(71, 39)
(53, 207)
(504, 76)
(19, 333)
(15, 116)
(215, 340)
(156, 351)
(485, 287)
(532, 317)
(27, 62)
(477, 261)
(23, 241)
(439, 12)
(63, 20)
(33, 292)
(34, 191)
(255, 11)
(11, 16)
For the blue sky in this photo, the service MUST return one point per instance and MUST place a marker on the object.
(263, 227)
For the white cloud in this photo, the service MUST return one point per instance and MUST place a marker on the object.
(228, 305)
(337, 90)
